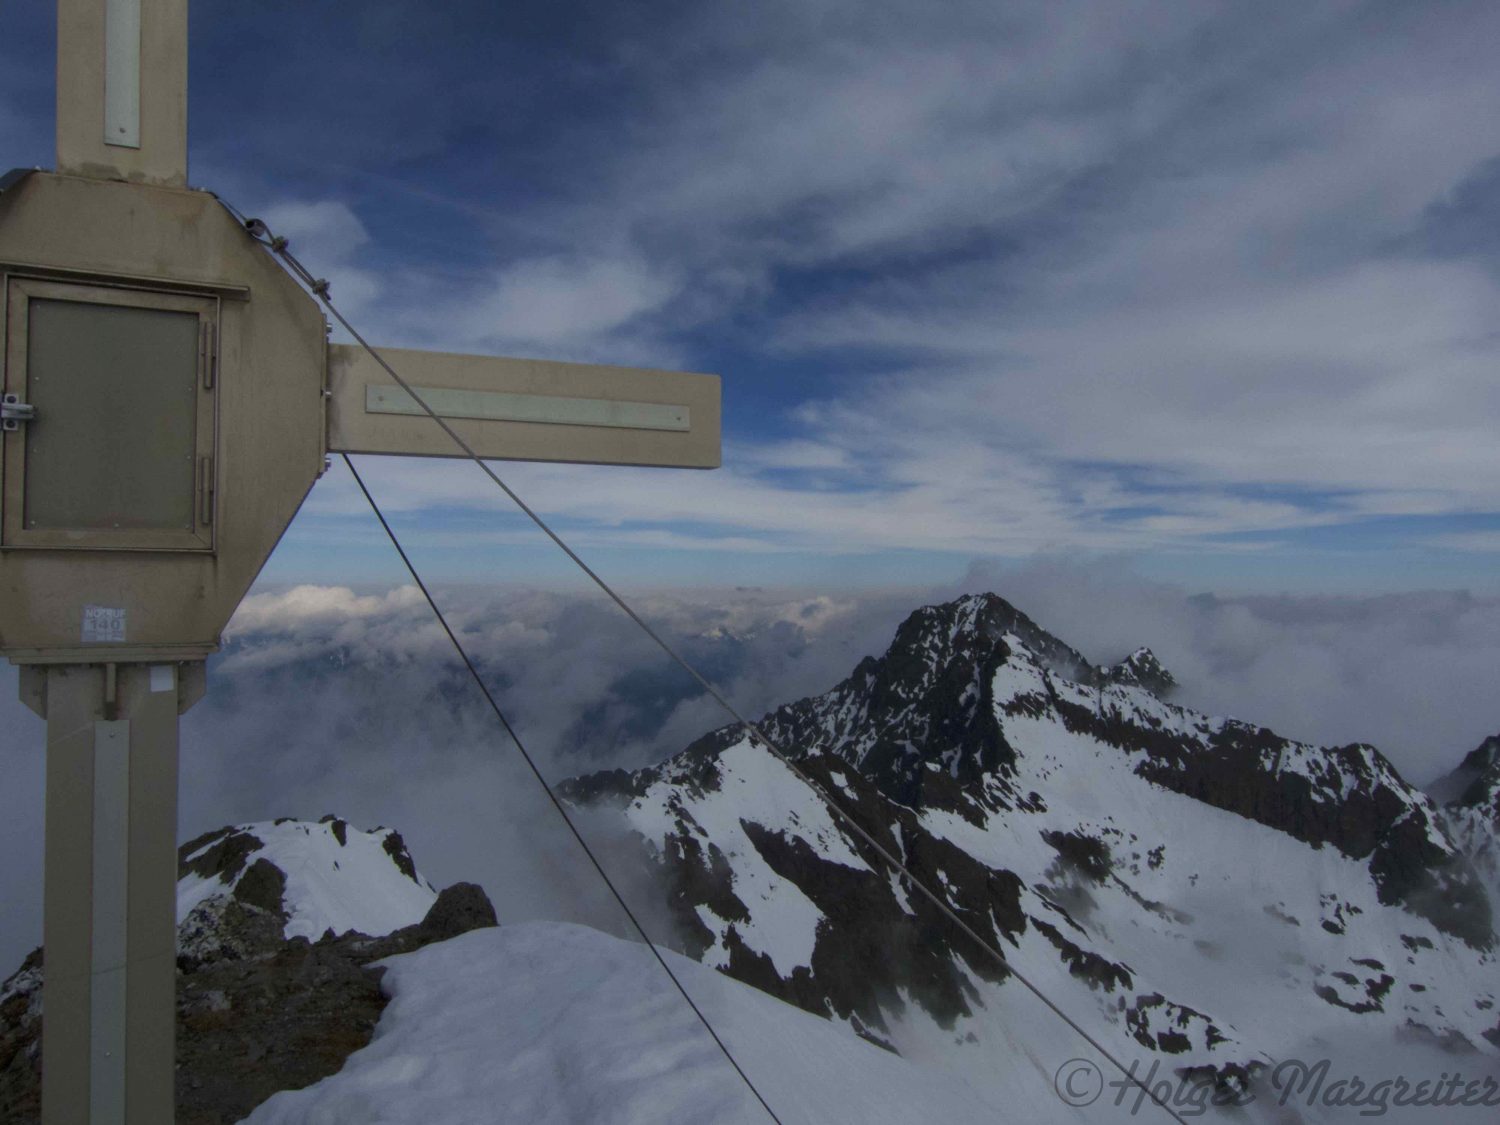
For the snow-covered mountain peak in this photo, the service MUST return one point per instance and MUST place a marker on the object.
(1475, 784)
(1199, 883)
(311, 877)
(1471, 812)
(1142, 669)
(976, 621)
(913, 720)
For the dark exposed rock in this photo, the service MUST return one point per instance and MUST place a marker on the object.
(263, 885)
(226, 928)
(1375, 991)
(225, 859)
(1484, 790)
(458, 909)
(1099, 971)
(1082, 853)
(1142, 669)
(928, 697)
(256, 1013)
(20, 1042)
(605, 786)
(874, 946)
(1162, 1025)
(395, 847)
(699, 876)
(247, 1029)
(1475, 784)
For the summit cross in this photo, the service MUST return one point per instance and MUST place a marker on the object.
(170, 397)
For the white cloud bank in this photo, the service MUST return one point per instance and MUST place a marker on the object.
(328, 700)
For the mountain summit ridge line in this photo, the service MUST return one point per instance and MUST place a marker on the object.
(977, 725)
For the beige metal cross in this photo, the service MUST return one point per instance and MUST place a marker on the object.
(170, 398)
(122, 90)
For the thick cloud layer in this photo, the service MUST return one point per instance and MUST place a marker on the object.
(328, 700)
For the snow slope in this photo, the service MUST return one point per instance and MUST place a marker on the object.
(316, 876)
(549, 1022)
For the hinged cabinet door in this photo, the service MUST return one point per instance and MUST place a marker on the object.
(118, 450)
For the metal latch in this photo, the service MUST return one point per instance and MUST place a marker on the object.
(13, 412)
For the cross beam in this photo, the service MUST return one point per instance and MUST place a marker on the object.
(522, 409)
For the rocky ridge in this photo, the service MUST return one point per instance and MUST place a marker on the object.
(1090, 829)
(259, 1008)
(1471, 811)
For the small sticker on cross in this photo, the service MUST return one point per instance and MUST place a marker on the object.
(103, 624)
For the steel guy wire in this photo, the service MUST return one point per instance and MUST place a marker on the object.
(551, 795)
(280, 247)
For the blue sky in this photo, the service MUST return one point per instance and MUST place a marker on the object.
(1211, 289)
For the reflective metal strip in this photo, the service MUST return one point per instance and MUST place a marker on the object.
(110, 891)
(206, 490)
(501, 406)
(208, 352)
(122, 73)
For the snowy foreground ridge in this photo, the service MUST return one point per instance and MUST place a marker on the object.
(549, 1022)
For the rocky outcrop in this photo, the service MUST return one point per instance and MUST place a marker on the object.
(1471, 816)
(1141, 669)
(1475, 784)
(287, 1013)
(21, 1042)
(256, 1012)
(311, 876)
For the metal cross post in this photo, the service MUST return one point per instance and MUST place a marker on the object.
(169, 398)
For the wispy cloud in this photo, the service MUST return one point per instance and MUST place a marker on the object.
(329, 236)
(572, 308)
(1412, 673)
(979, 279)
(957, 497)
(1081, 247)
(1485, 541)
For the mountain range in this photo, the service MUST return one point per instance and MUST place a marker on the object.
(1197, 891)
(1208, 899)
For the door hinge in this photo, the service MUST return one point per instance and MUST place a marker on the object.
(13, 412)
(208, 353)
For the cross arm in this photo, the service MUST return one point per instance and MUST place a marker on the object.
(522, 409)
